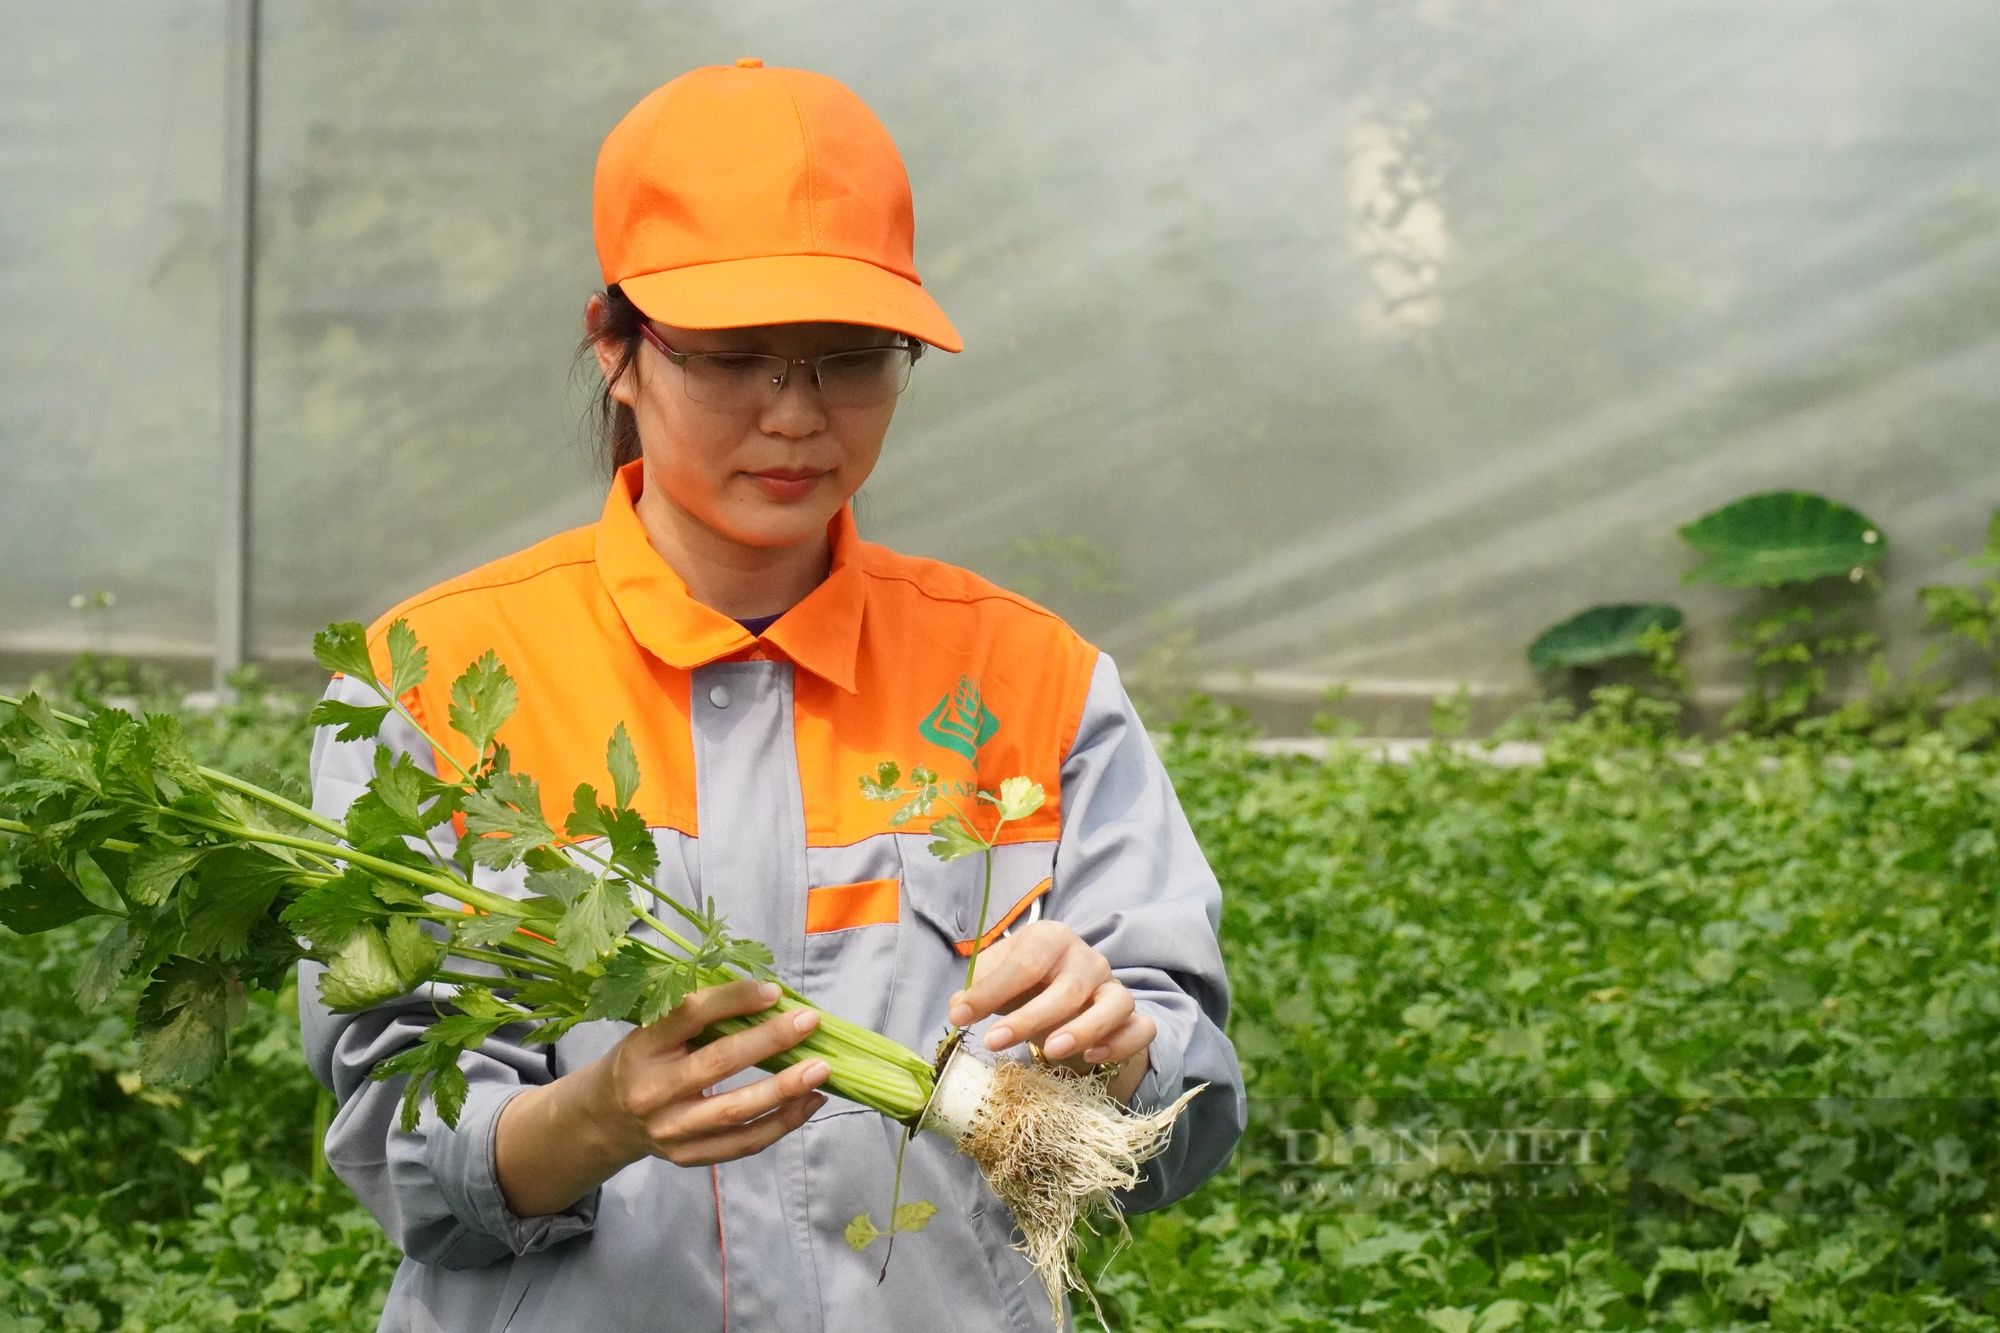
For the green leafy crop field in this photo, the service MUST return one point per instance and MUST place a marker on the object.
(1728, 1009)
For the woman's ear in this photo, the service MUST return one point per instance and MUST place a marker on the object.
(619, 372)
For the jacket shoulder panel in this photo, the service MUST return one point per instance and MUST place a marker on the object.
(974, 682)
(567, 554)
(547, 616)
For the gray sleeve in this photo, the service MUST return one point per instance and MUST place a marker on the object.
(1131, 881)
(434, 1190)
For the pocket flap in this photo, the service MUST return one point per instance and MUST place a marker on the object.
(985, 941)
(947, 894)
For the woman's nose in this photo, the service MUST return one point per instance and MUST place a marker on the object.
(798, 410)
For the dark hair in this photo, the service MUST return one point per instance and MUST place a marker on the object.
(617, 428)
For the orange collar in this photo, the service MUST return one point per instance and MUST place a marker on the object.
(821, 633)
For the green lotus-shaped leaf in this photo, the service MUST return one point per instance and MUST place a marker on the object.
(1762, 541)
(1601, 634)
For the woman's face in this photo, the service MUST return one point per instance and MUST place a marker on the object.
(762, 476)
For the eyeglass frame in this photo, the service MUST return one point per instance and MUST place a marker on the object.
(914, 346)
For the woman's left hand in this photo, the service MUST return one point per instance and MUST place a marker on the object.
(1058, 992)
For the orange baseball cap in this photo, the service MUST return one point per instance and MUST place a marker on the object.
(740, 195)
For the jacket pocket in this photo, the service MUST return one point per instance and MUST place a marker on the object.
(950, 895)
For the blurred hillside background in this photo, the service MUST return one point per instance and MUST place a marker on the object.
(1305, 342)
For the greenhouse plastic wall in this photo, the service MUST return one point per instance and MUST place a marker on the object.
(1334, 341)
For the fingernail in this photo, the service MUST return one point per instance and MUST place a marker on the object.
(805, 1020)
(1097, 1055)
(999, 1039)
(1059, 1046)
(961, 1014)
(769, 992)
(815, 1072)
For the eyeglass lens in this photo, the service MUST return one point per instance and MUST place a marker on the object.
(846, 379)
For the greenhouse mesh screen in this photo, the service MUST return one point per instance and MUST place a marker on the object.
(1356, 340)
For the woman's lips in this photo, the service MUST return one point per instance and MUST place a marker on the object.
(785, 485)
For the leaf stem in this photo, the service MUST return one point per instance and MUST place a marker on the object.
(985, 902)
(472, 953)
(109, 844)
(382, 693)
(217, 776)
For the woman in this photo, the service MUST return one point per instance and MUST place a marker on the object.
(760, 315)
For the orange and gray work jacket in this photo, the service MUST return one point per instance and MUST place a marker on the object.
(751, 750)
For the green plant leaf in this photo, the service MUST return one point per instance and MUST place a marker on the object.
(402, 801)
(362, 975)
(156, 871)
(107, 965)
(96, 885)
(432, 1067)
(504, 820)
(235, 888)
(328, 913)
(43, 900)
(409, 661)
(413, 952)
(1765, 541)
(448, 1088)
(342, 648)
(951, 839)
(482, 699)
(48, 752)
(638, 988)
(623, 762)
(595, 922)
(357, 722)
(753, 956)
(1601, 634)
(631, 842)
(564, 883)
(186, 1012)
(487, 929)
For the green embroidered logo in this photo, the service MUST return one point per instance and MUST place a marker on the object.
(960, 722)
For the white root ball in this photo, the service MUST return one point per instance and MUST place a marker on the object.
(1054, 1146)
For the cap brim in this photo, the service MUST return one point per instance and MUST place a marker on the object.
(791, 289)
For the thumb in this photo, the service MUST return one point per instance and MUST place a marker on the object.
(684, 1022)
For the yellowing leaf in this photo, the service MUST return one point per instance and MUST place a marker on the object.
(859, 1232)
(915, 1216)
(862, 1231)
(1019, 798)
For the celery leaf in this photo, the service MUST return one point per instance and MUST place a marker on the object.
(357, 722)
(342, 648)
(482, 699)
(594, 923)
(623, 761)
(409, 661)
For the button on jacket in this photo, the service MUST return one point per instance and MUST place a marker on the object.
(751, 750)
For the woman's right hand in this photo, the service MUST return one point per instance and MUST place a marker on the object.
(648, 1097)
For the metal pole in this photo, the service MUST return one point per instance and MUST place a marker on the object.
(239, 229)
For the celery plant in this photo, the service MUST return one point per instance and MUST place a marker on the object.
(220, 885)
